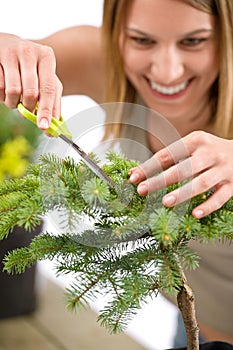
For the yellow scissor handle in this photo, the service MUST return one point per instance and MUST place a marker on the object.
(57, 127)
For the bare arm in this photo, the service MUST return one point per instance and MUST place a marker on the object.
(79, 60)
(37, 71)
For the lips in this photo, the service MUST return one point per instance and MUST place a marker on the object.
(169, 90)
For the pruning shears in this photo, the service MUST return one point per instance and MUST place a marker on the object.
(58, 128)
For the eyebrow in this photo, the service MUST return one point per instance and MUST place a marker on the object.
(194, 32)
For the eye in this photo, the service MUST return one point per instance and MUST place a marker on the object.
(193, 41)
(143, 41)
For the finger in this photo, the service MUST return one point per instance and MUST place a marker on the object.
(173, 175)
(2, 85)
(184, 170)
(200, 184)
(47, 88)
(145, 170)
(58, 96)
(161, 160)
(13, 87)
(214, 202)
(29, 77)
(57, 105)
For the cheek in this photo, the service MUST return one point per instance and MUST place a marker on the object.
(214, 65)
(209, 71)
(134, 62)
(207, 65)
(204, 68)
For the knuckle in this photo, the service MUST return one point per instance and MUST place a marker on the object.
(59, 85)
(46, 52)
(45, 111)
(218, 203)
(200, 164)
(214, 203)
(30, 93)
(48, 88)
(13, 90)
(25, 48)
(202, 137)
(222, 158)
(22, 48)
(10, 104)
(164, 158)
(141, 172)
(205, 183)
(8, 52)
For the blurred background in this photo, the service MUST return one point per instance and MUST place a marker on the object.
(154, 326)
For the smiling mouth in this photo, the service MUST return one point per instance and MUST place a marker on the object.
(171, 90)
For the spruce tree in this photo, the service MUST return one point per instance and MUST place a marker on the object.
(131, 246)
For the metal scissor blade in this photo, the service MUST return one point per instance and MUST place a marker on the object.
(58, 128)
(90, 163)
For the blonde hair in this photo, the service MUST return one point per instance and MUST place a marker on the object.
(120, 89)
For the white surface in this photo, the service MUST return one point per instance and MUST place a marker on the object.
(36, 19)
(154, 325)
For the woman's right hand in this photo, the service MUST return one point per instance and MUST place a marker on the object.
(28, 75)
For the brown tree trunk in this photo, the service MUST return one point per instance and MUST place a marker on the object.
(186, 304)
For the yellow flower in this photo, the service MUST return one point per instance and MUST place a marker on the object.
(14, 157)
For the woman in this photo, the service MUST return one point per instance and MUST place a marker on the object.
(176, 57)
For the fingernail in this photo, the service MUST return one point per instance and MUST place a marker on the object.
(142, 189)
(134, 177)
(169, 200)
(198, 213)
(43, 123)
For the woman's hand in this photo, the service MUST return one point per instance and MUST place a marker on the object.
(28, 75)
(206, 161)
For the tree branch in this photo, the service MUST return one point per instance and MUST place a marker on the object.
(186, 304)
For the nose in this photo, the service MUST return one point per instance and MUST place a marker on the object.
(167, 65)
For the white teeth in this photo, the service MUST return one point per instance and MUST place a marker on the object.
(168, 90)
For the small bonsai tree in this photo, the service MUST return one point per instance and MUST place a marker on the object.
(113, 240)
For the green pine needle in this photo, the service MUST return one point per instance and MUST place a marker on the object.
(131, 248)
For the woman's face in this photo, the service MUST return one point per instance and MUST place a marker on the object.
(169, 51)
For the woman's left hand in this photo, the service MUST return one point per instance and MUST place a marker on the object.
(205, 161)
